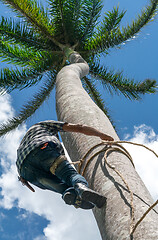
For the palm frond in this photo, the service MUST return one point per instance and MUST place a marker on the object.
(35, 14)
(30, 108)
(24, 56)
(65, 19)
(101, 42)
(58, 12)
(90, 13)
(12, 53)
(74, 20)
(36, 68)
(116, 82)
(111, 21)
(11, 79)
(22, 33)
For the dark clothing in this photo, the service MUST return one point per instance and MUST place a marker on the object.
(35, 169)
(38, 151)
(38, 134)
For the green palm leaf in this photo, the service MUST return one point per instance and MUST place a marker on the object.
(101, 42)
(23, 34)
(90, 14)
(12, 53)
(30, 108)
(111, 21)
(22, 55)
(35, 14)
(18, 78)
(116, 82)
(74, 20)
(64, 18)
(26, 77)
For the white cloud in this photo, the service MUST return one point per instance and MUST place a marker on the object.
(146, 162)
(5, 107)
(39, 238)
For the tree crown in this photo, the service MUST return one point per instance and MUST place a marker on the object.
(40, 41)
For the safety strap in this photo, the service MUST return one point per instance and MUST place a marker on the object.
(24, 182)
(57, 162)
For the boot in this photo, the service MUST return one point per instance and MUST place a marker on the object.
(70, 197)
(68, 174)
(89, 195)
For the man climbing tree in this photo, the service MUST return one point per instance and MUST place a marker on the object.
(43, 45)
(41, 161)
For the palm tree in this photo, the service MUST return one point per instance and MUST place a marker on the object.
(44, 44)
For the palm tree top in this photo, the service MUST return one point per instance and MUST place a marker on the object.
(40, 41)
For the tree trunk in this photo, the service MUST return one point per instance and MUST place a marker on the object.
(75, 106)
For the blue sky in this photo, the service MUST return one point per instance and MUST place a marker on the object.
(43, 215)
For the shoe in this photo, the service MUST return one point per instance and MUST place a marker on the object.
(80, 203)
(89, 195)
(70, 197)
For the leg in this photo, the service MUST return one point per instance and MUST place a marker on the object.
(51, 160)
(41, 178)
(31, 171)
(52, 184)
(68, 174)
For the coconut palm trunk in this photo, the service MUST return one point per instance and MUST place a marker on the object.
(114, 219)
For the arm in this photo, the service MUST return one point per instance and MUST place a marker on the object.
(69, 127)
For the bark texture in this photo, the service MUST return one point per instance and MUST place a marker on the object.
(75, 106)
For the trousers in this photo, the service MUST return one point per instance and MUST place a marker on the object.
(36, 169)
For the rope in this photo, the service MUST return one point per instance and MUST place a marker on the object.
(144, 215)
(108, 147)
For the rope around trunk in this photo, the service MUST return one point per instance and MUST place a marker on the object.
(119, 148)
